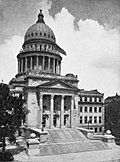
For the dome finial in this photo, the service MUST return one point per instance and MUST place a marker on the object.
(40, 17)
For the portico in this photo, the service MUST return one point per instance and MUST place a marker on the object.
(56, 110)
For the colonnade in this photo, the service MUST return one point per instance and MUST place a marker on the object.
(52, 97)
(44, 63)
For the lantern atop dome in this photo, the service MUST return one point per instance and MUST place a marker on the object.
(40, 17)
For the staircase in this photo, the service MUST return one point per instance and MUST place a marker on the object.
(69, 140)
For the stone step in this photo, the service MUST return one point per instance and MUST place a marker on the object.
(65, 135)
(73, 147)
(68, 136)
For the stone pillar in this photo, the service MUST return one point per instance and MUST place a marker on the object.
(57, 68)
(37, 61)
(49, 64)
(52, 111)
(31, 62)
(40, 111)
(18, 65)
(43, 63)
(53, 65)
(72, 112)
(22, 65)
(25, 64)
(103, 118)
(60, 68)
(62, 112)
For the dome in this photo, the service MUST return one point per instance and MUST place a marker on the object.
(40, 30)
(70, 75)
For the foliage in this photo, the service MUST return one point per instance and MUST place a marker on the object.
(12, 113)
(112, 117)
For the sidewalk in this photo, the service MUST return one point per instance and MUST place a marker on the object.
(93, 156)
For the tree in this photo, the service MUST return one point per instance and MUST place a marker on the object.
(12, 114)
(112, 117)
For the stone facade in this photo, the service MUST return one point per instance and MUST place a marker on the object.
(51, 98)
(91, 110)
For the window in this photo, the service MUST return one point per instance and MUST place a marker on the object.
(81, 108)
(85, 109)
(100, 119)
(90, 119)
(95, 130)
(48, 35)
(40, 33)
(44, 34)
(90, 109)
(90, 99)
(85, 120)
(80, 119)
(100, 109)
(32, 34)
(95, 119)
(85, 99)
(100, 99)
(36, 34)
(100, 129)
(95, 109)
(95, 99)
(81, 99)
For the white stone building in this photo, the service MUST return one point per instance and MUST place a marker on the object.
(51, 98)
(91, 110)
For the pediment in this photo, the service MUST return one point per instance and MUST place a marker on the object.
(58, 84)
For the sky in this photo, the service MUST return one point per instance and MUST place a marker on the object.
(88, 30)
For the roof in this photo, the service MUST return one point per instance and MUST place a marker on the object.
(89, 92)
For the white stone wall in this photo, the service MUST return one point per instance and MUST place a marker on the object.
(32, 119)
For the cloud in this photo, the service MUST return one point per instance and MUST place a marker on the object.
(92, 51)
(8, 60)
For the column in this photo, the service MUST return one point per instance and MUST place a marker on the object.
(72, 111)
(40, 111)
(43, 63)
(62, 112)
(31, 62)
(49, 64)
(103, 118)
(18, 65)
(57, 68)
(21, 65)
(25, 64)
(37, 61)
(52, 111)
(53, 65)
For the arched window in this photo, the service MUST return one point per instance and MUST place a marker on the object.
(32, 34)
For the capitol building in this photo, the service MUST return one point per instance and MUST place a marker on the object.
(53, 100)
